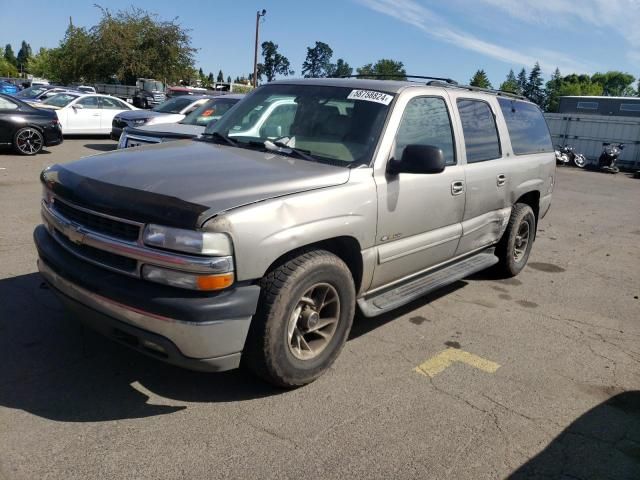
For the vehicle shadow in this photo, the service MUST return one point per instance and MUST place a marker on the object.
(101, 147)
(55, 368)
(603, 443)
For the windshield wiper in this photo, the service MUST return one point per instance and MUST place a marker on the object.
(219, 136)
(279, 146)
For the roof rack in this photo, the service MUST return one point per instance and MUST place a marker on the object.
(440, 82)
(500, 93)
(448, 81)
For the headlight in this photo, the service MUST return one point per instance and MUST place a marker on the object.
(188, 241)
(140, 121)
(191, 281)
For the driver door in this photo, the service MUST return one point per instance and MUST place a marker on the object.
(83, 115)
(419, 215)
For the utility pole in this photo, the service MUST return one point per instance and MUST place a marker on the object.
(255, 52)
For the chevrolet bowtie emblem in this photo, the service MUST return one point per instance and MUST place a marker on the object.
(75, 234)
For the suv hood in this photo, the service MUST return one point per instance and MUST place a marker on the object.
(171, 128)
(184, 183)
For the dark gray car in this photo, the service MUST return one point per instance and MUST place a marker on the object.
(192, 125)
(172, 111)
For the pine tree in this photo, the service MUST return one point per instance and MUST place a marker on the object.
(481, 80)
(229, 79)
(510, 84)
(552, 91)
(522, 81)
(9, 56)
(220, 78)
(534, 91)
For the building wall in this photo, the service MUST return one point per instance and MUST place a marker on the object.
(605, 106)
(587, 132)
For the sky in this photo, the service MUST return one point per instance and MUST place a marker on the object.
(444, 39)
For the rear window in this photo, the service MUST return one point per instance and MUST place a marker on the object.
(527, 127)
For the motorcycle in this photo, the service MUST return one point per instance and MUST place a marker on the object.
(567, 155)
(609, 156)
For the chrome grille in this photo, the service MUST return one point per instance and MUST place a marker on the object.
(97, 223)
(101, 257)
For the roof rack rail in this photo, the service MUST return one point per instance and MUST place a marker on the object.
(448, 81)
(440, 82)
(500, 93)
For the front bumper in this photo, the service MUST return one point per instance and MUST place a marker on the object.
(197, 331)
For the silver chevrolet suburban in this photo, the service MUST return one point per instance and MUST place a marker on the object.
(255, 243)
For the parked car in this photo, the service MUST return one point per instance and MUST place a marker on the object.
(33, 91)
(48, 93)
(85, 89)
(171, 111)
(85, 114)
(247, 246)
(192, 125)
(180, 91)
(26, 129)
(146, 93)
(8, 88)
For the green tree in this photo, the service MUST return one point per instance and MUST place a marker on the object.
(340, 69)
(615, 83)
(210, 78)
(229, 79)
(510, 84)
(135, 43)
(24, 55)
(74, 60)
(273, 63)
(579, 85)
(480, 80)
(220, 77)
(534, 91)
(41, 64)
(383, 69)
(9, 56)
(318, 61)
(522, 81)
(7, 69)
(552, 91)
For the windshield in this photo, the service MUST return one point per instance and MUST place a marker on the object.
(209, 111)
(32, 92)
(60, 100)
(175, 105)
(335, 125)
(151, 86)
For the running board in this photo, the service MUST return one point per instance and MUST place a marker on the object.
(395, 297)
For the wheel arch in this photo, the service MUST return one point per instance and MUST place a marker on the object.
(345, 247)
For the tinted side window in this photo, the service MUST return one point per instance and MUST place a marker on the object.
(480, 131)
(426, 121)
(527, 127)
(88, 102)
(112, 104)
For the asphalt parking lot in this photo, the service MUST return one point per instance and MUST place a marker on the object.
(540, 375)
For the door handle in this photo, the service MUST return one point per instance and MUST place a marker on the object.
(457, 187)
(501, 180)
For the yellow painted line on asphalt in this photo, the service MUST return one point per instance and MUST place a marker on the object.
(446, 358)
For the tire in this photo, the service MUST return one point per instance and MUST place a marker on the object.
(28, 141)
(145, 104)
(579, 161)
(274, 349)
(511, 252)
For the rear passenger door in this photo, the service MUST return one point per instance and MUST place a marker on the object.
(487, 176)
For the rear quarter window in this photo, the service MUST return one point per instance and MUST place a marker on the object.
(527, 127)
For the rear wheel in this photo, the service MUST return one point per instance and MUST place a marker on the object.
(28, 141)
(515, 245)
(304, 316)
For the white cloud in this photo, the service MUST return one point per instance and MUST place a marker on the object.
(415, 14)
(613, 17)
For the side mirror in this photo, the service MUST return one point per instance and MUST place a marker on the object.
(418, 159)
(78, 106)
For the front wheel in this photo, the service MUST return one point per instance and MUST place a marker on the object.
(304, 316)
(28, 141)
(515, 245)
(579, 161)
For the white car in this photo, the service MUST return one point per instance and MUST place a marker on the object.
(85, 114)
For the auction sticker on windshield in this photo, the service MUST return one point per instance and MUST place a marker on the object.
(370, 96)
